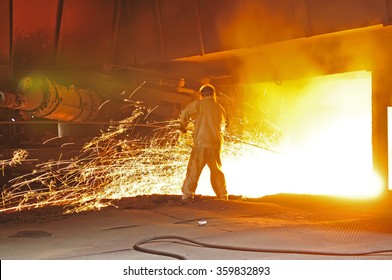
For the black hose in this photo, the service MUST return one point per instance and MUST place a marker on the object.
(138, 247)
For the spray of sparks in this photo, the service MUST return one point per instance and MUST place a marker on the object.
(18, 157)
(109, 167)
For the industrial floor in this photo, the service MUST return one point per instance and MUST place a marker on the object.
(277, 227)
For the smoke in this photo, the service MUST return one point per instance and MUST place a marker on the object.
(274, 42)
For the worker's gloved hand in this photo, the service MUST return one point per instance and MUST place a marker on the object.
(182, 129)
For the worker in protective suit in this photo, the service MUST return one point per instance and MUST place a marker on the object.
(209, 121)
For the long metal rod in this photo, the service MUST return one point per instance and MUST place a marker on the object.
(115, 29)
(48, 122)
(11, 54)
(78, 123)
(199, 29)
(58, 29)
(158, 17)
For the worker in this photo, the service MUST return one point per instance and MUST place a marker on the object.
(209, 121)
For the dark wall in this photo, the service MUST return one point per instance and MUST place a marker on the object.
(5, 40)
(34, 33)
(91, 33)
(86, 33)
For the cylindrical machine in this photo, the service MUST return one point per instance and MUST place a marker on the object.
(40, 97)
(9, 100)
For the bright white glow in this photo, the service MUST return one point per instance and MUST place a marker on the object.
(326, 146)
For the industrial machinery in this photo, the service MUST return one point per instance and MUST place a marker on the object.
(42, 106)
(39, 97)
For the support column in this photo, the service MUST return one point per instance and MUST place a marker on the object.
(381, 99)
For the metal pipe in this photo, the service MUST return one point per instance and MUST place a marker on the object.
(40, 97)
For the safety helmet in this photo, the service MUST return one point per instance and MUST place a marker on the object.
(207, 90)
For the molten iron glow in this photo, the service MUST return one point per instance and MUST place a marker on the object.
(315, 139)
(326, 143)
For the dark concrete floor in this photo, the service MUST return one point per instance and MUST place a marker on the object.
(277, 227)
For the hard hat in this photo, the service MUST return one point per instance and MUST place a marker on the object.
(207, 89)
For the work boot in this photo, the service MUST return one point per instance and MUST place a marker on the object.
(222, 197)
(186, 201)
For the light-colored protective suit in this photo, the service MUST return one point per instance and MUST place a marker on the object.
(209, 117)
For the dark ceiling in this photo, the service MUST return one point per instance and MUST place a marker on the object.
(230, 41)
